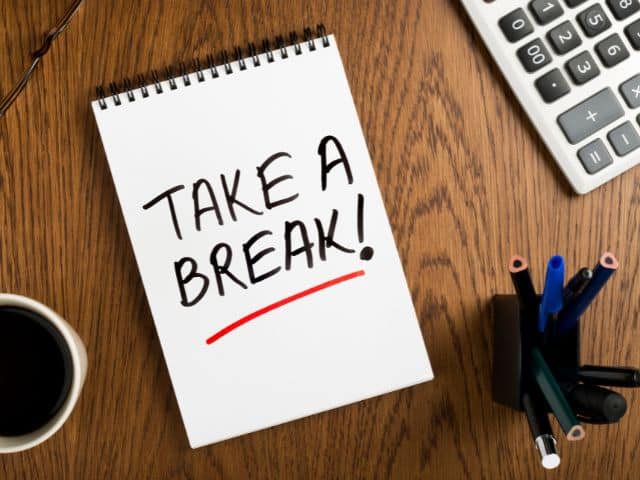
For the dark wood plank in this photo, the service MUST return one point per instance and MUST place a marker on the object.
(466, 182)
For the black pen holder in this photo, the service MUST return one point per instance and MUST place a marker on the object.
(514, 335)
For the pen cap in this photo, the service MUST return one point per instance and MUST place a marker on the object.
(546, 446)
(551, 302)
(594, 401)
(554, 280)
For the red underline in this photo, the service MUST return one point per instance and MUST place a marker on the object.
(281, 303)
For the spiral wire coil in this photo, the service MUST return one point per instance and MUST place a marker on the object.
(131, 91)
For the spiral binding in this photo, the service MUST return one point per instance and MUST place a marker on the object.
(132, 92)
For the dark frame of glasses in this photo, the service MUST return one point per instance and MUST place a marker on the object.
(37, 55)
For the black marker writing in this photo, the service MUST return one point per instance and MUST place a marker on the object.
(305, 248)
(167, 194)
(287, 246)
(325, 167)
(183, 280)
(367, 252)
(253, 259)
(222, 268)
(268, 185)
(231, 197)
(197, 209)
(281, 248)
(326, 240)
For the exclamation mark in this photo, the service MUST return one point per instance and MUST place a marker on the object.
(367, 252)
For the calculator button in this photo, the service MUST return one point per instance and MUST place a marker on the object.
(515, 25)
(594, 156)
(546, 11)
(623, 8)
(588, 117)
(633, 34)
(564, 38)
(582, 68)
(612, 51)
(574, 3)
(552, 86)
(534, 55)
(630, 91)
(593, 20)
(624, 139)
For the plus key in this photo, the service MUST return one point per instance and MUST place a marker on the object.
(588, 117)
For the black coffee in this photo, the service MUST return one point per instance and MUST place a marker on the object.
(35, 371)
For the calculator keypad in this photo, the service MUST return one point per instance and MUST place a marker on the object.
(596, 114)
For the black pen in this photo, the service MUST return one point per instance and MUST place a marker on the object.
(541, 430)
(576, 285)
(610, 376)
(591, 401)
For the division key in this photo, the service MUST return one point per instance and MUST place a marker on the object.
(588, 117)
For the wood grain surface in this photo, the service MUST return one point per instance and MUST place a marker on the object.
(466, 182)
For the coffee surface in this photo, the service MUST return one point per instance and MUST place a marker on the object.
(35, 371)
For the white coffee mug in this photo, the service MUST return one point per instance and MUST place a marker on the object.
(10, 444)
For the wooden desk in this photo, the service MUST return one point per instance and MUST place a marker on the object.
(466, 183)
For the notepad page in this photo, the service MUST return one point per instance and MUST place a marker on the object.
(263, 244)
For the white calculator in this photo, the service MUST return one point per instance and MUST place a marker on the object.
(575, 67)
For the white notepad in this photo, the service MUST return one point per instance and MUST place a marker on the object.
(306, 307)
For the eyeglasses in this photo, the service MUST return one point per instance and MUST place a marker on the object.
(37, 55)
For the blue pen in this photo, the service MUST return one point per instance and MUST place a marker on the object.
(571, 314)
(551, 302)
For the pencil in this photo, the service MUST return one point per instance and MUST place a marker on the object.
(540, 429)
(555, 398)
(570, 315)
(519, 269)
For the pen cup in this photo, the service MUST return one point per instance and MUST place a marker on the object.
(514, 335)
